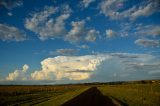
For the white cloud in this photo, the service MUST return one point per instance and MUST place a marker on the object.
(69, 67)
(19, 74)
(127, 66)
(77, 31)
(46, 27)
(137, 30)
(156, 72)
(9, 14)
(54, 29)
(86, 3)
(148, 30)
(92, 35)
(110, 33)
(9, 4)
(64, 52)
(11, 33)
(110, 8)
(83, 46)
(65, 9)
(100, 67)
(154, 31)
(1, 79)
(95, 67)
(146, 10)
(39, 18)
(148, 43)
(80, 33)
(88, 18)
(143, 66)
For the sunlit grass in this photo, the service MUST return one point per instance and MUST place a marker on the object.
(134, 94)
(29, 95)
(59, 100)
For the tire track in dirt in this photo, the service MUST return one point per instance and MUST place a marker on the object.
(91, 97)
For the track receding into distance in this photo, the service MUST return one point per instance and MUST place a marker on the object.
(91, 97)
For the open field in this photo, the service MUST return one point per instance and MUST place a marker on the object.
(94, 94)
(133, 94)
(31, 95)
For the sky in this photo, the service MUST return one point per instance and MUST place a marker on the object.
(77, 41)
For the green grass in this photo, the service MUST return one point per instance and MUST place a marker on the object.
(134, 94)
(31, 95)
(59, 100)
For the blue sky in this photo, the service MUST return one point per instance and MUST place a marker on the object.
(66, 41)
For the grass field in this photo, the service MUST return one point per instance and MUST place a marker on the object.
(59, 100)
(136, 94)
(133, 94)
(31, 95)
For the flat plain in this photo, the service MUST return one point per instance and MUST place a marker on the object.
(139, 93)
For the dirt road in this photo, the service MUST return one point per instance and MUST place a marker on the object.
(91, 97)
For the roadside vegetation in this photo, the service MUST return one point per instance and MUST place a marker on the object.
(61, 99)
(133, 94)
(31, 95)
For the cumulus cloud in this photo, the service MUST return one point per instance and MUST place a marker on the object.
(111, 8)
(146, 10)
(65, 9)
(64, 52)
(9, 4)
(19, 74)
(148, 43)
(127, 66)
(143, 66)
(1, 79)
(110, 33)
(138, 30)
(54, 29)
(155, 31)
(142, 62)
(80, 33)
(97, 67)
(39, 17)
(92, 35)
(83, 46)
(100, 67)
(144, 69)
(11, 33)
(68, 67)
(148, 30)
(9, 14)
(46, 27)
(125, 55)
(86, 3)
(88, 18)
(157, 72)
(77, 31)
